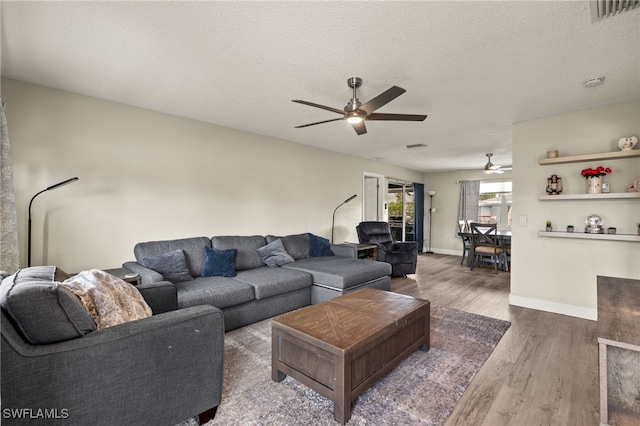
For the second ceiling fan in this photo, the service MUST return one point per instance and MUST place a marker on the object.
(356, 113)
(491, 168)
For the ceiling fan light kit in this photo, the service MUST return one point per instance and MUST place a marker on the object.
(356, 113)
(592, 82)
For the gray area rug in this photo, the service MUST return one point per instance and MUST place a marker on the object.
(422, 390)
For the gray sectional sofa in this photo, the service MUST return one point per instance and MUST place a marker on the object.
(238, 281)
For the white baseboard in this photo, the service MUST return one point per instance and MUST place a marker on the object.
(446, 251)
(553, 307)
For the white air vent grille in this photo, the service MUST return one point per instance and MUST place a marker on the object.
(604, 8)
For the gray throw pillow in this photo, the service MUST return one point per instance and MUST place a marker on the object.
(296, 245)
(274, 254)
(172, 266)
(43, 310)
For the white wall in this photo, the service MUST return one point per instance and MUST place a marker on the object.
(147, 176)
(559, 275)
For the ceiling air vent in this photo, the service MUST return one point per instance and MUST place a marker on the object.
(601, 9)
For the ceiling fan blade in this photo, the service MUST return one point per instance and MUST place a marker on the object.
(399, 117)
(360, 128)
(382, 99)
(336, 110)
(319, 122)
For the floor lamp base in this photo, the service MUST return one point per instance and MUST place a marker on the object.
(429, 252)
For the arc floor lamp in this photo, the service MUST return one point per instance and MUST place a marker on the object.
(431, 209)
(57, 185)
(334, 214)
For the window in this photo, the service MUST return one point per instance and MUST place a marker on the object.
(495, 203)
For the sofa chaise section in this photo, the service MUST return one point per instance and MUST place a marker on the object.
(342, 275)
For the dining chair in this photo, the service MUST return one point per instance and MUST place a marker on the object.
(463, 229)
(485, 244)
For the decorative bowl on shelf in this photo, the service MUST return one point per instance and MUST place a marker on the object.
(627, 144)
(593, 224)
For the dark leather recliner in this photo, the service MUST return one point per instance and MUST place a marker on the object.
(402, 256)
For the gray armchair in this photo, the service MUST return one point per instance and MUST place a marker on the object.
(159, 370)
(402, 256)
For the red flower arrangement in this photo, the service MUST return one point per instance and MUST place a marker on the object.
(599, 171)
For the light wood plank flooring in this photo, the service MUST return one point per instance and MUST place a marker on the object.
(544, 371)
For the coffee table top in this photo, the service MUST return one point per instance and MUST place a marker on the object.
(347, 320)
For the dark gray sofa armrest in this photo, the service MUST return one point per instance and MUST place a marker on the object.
(406, 246)
(344, 250)
(160, 296)
(158, 370)
(146, 275)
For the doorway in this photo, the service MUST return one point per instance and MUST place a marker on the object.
(372, 204)
(401, 210)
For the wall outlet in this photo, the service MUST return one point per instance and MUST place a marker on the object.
(522, 220)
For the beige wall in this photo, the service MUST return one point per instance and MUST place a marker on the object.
(559, 275)
(147, 176)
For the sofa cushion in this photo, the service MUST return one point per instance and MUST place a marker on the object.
(296, 245)
(42, 309)
(219, 263)
(319, 247)
(247, 257)
(269, 282)
(109, 300)
(172, 265)
(274, 254)
(221, 292)
(192, 248)
(339, 272)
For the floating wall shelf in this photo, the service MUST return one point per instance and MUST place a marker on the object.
(603, 196)
(616, 155)
(586, 236)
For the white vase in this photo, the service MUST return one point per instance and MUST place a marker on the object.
(594, 185)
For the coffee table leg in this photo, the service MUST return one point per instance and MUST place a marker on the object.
(342, 392)
(276, 375)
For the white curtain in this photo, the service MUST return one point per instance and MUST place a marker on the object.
(469, 199)
(9, 256)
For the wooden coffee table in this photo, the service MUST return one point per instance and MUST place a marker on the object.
(342, 346)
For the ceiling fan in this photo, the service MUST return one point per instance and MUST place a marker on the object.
(491, 168)
(356, 112)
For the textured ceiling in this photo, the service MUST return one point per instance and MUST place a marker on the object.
(474, 67)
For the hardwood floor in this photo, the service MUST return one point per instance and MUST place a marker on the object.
(544, 371)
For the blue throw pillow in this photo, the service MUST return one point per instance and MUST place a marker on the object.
(219, 263)
(319, 246)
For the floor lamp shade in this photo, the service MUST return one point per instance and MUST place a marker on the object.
(333, 220)
(56, 186)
